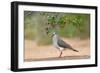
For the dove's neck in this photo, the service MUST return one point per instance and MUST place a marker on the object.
(55, 37)
(55, 40)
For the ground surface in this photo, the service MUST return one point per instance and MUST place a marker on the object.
(33, 52)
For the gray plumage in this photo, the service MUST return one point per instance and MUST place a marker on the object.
(60, 44)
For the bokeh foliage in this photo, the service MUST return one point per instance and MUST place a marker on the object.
(37, 25)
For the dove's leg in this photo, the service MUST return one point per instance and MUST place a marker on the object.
(60, 54)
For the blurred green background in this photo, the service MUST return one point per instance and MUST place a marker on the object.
(38, 25)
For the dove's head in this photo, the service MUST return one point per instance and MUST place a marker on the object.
(54, 33)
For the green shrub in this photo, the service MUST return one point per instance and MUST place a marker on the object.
(68, 25)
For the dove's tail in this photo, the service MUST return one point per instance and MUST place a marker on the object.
(74, 50)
